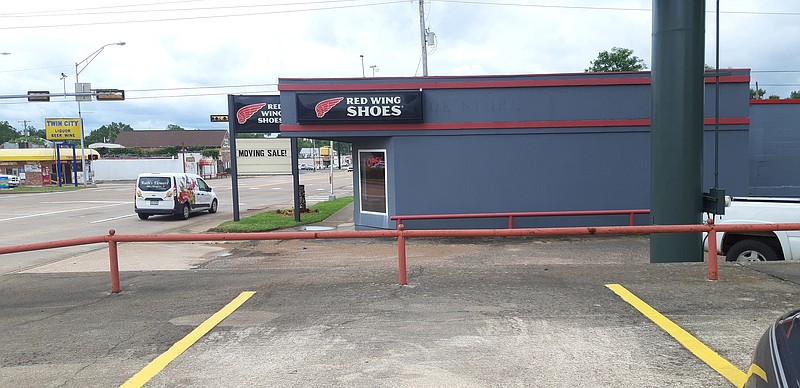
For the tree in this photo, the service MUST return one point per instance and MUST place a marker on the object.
(107, 133)
(29, 139)
(619, 59)
(174, 127)
(795, 94)
(41, 133)
(212, 153)
(757, 94)
(249, 135)
(7, 132)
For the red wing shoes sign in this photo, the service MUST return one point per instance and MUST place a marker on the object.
(255, 114)
(390, 107)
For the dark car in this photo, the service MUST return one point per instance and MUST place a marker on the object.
(776, 360)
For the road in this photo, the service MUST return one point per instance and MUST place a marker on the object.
(39, 217)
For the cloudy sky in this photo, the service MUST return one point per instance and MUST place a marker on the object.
(182, 57)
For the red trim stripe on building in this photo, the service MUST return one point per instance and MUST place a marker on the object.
(495, 125)
(767, 102)
(486, 84)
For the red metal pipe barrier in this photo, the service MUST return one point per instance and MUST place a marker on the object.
(252, 236)
(631, 213)
(713, 266)
(401, 234)
(53, 244)
(113, 258)
(401, 256)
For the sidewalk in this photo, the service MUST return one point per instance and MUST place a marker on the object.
(341, 220)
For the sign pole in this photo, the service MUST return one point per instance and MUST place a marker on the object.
(331, 197)
(234, 172)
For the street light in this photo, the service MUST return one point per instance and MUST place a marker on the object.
(374, 69)
(78, 70)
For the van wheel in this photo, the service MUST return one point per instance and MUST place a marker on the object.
(213, 208)
(185, 212)
(143, 216)
(751, 251)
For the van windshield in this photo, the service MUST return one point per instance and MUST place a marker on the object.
(160, 183)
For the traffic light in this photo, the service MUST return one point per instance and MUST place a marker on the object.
(38, 95)
(109, 94)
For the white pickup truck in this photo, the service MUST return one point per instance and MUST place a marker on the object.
(756, 246)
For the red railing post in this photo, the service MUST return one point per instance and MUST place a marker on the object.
(713, 273)
(113, 258)
(631, 219)
(510, 221)
(401, 255)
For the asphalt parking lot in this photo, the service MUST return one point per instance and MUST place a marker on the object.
(476, 313)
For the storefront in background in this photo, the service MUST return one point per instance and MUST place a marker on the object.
(41, 166)
(443, 145)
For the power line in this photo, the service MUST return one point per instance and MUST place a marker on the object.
(197, 95)
(82, 12)
(601, 8)
(35, 68)
(202, 87)
(54, 12)
(205, 17)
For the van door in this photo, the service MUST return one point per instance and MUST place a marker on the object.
(202, 195)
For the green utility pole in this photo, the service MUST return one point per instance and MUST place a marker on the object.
(677, 127)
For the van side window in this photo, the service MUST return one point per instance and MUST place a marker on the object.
(202, 185)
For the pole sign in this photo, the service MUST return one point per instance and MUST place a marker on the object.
(83, 91)
(62, 129)
(390, 107)
(255, 114)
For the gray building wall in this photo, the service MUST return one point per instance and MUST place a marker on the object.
(526, 148)
(774, 152)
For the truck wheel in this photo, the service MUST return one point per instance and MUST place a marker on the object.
(143, 216)
(213, 208)
(751, 251)
(185, 212)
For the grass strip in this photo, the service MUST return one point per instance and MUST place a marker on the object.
(282, 219)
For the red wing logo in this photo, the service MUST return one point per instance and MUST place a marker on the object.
(247, 112)
(325, 106)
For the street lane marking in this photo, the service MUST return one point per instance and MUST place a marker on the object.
(67, 202)
(176, 350)
(113, 218)
(699, 349)
(57, 212)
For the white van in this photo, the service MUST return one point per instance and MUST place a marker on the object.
(173, 193)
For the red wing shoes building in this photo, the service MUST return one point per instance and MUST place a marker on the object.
(485, 144)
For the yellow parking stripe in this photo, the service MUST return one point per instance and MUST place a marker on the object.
(756, 370)
(699, 349)
(176, 350)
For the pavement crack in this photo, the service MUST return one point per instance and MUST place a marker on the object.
(60, 313)
(774, 276)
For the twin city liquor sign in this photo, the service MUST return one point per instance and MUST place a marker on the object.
(262, 114)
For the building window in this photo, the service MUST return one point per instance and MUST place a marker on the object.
(372, 178)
